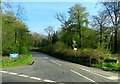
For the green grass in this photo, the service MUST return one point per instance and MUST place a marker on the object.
(112, 66)
(21, 61)
(108, 66)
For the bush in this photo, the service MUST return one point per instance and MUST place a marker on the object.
(11, 49)
(6, 52)
(111, 66)
(89, 57)
(14, 48)
(46, 49)
(59, 46)
(23, 50)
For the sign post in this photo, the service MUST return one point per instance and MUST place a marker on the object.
(74, 46)
(14, 55)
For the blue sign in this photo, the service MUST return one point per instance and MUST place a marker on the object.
(14, 55)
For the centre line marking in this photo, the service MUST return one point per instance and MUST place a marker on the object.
(12, 73)
(56, 63)
(111, 77)
(83, 76)
(4, 71)
(48, 80)
(23, 75)
(35, 78)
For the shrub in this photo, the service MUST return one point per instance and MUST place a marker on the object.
(111, 66)
(89, 57)
(23, 50)
(59, 46)
(14, 48)
(6, 52)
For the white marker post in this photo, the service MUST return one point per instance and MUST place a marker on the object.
(74, 46)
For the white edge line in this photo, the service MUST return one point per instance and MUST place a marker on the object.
(3, 71)
(12, 73)
(82, 75)
(48, 80)
(23, 75)
(35, 78)
(46, 57)
(111, 77)
(56, 63)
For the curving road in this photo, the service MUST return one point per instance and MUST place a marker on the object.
(50, 69)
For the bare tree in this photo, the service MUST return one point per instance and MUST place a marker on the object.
(113, 11)
(18, 11)
(49, 30)
(101, 21)
(63, 19)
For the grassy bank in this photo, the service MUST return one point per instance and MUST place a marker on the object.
(20, 61)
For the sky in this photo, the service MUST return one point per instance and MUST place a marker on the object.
(40, 15)
(53, 0)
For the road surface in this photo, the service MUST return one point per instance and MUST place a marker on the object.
(52, 70)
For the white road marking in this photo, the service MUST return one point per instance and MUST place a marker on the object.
(35, 78)
(82, 76)
(46, 57)
(56, 63)
(12, 73)
(23, 75)
(4, 71)
(111, 77)
(48, 80)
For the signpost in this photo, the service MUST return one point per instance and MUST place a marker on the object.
(74, 46)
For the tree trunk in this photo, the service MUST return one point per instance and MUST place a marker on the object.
(115, 39)
(116, 28)
(100, 35)
(79, 31)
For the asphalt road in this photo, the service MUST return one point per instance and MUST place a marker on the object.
(49, 69)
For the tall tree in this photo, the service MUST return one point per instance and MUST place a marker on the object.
(14, 27)
(78, 15)
(37, 38)
(63, 19)
(50, 32)
(101, 23)
(74, 23)
(113, 11)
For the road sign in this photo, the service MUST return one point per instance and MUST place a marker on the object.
(14, 55)
(75, 49)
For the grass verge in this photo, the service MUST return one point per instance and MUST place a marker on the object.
(20, 61)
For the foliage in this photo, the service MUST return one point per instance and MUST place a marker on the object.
(14, 48)
(83, 56)
(23, 50)
(59, 46)
(111, 66)
(94, 46)
(36, 39)
(14, 34)
(112, 11)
